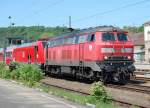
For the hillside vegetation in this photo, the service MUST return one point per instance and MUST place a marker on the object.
(134, 29)
(32, 32)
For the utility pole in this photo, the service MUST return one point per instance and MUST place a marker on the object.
(69, 21)
(70, 28)
(5, 39)
(9, 17)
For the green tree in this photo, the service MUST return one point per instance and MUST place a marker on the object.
(32, 32)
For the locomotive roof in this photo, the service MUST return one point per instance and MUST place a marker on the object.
(88, 30)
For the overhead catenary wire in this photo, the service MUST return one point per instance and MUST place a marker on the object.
(90, 16)
(111, 10)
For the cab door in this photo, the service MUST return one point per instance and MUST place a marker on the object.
(81, 52)
(90, 48)
(81, 41)
(46, 52)
(35, 53)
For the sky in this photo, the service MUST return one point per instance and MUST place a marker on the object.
(84, 13)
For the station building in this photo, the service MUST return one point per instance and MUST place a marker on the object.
(147, 41)
(139, 46)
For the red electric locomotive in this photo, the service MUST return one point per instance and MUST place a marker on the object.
(30, 53)
(103, 53)
(6, 54)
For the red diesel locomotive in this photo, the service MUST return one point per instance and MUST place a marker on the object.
(103, 53)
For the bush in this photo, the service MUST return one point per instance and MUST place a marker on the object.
(98, 93)
(2, 67)
(29, 73)
(15, 74)
(13, 65)
(4, 71)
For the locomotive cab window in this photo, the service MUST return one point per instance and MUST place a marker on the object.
(108, 37)
(82, 39)
(91, 38)
(8, 54)
(69, 40)
(50, 43)
(122, 37)
(76, 39)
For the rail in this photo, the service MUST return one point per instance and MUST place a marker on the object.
(85, 93)
(132, 87)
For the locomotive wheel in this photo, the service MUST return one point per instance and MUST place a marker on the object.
(47, 71)
(122, 79)
(53, 71)
(105, 78)
(74, 72)
(58, 71)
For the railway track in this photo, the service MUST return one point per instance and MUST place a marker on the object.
(132, 87)
(142, 74)
(142, 71)
(121, 102)
(142, 78)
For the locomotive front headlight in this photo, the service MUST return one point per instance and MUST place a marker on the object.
(129, 57)
(107, 50)
(105, 57)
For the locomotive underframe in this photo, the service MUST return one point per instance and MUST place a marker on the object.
(116, 71)
(107, 71)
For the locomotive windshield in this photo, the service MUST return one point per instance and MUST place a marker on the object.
(122, 37)
(108, 37)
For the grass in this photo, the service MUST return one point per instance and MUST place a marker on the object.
(75, 97)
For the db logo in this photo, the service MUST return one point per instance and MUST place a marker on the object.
(90, 47)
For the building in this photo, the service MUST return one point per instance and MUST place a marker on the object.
(147, 41)
(139, 47)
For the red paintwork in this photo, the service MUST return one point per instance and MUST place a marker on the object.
(88, 51)
(22, 52)
(8, 60)
(9, 54)
(117, 46)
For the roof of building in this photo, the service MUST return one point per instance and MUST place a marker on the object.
(137, 38)
(147, 23)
